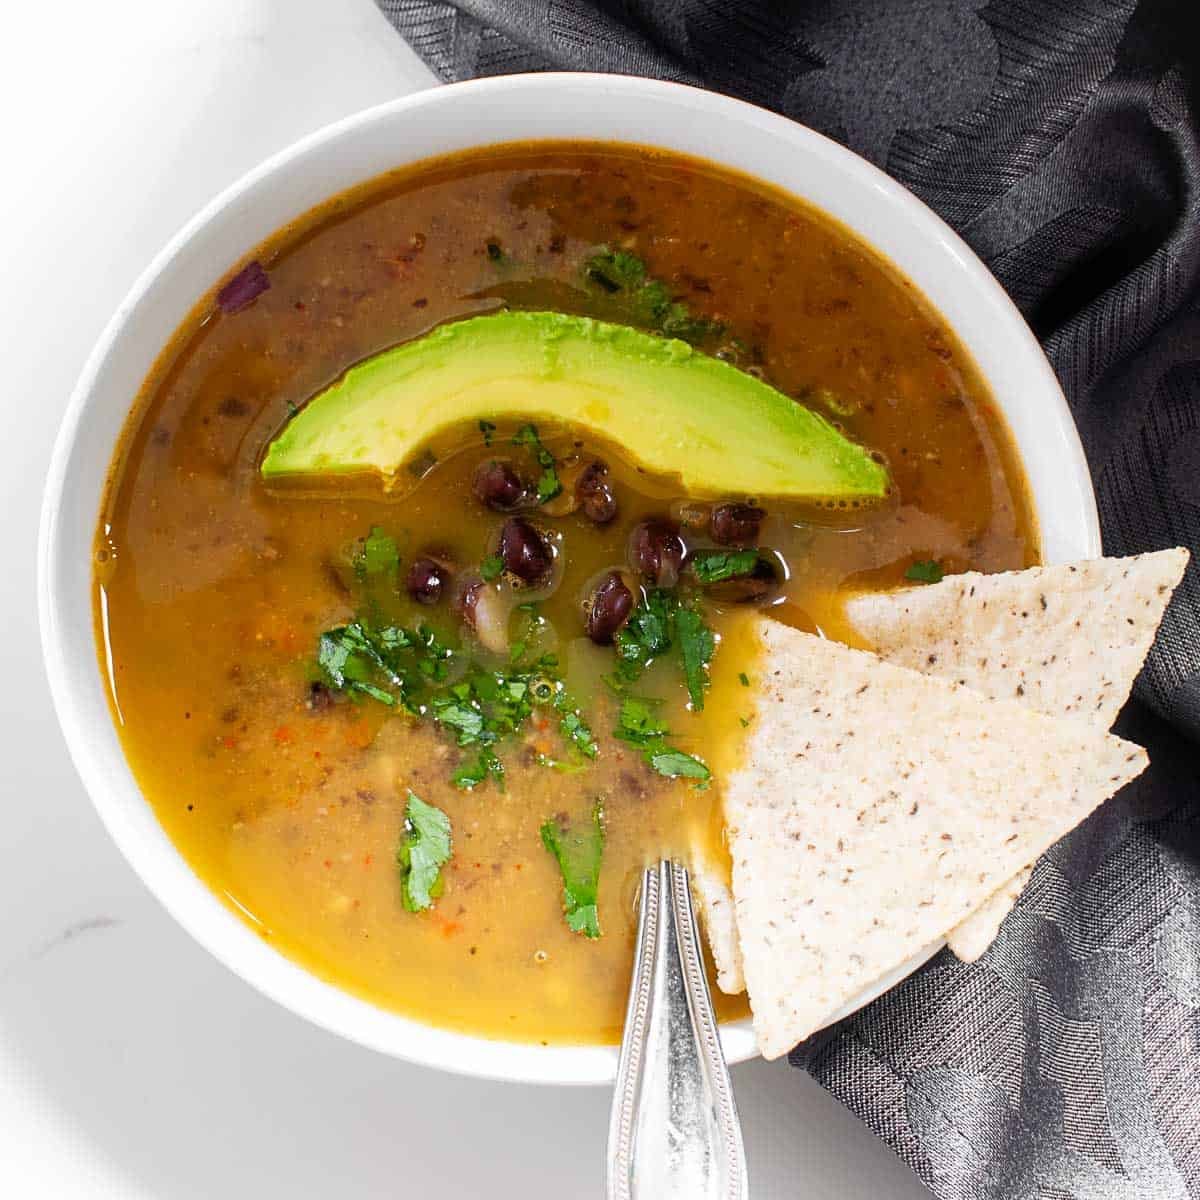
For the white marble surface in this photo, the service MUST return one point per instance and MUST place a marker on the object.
(131, 1064)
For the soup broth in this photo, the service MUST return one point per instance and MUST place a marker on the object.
(213, 589)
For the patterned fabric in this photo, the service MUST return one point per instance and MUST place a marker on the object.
(1059, 137)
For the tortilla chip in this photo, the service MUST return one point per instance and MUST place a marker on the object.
(710, 890)
(970, 938)
(877, 808)
(1068, 640)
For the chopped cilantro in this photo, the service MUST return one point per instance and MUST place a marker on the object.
(614, 270)
(623, 276)
(576, 731)
(548, 484)
(349, 658)
(637, 722)
(674, 763)
(378, 556)
(743, 679)
(925, 571)
(492, 567)
(487, 428)
(639, 725)
(495, 251)
(424, 849)
(646, 635)
(463, 719)
(715, 566)
(471, 774)
(578, 851)
(659, 622)
(479, 706)
(696, 646)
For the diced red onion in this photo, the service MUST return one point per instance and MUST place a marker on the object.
(249, 283)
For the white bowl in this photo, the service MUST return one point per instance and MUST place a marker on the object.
(460, 117)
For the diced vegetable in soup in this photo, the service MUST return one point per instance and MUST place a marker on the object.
(428, 563)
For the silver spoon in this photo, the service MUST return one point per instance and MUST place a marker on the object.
(674, 1133)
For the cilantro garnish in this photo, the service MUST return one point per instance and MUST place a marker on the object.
(715, 566)
(614, 270)
(485, 765)
(638, 724)
(696, 646)
(674, 763)
(578, 851)
(646, 635)
(491, 568)
(487, 428)
(743, 679)
(476, 706)
(925, 571)
(424, 849)
(379, 555)
(462, 718)
(576, 731)
(622, 276)
(659, 622)
(548, 484)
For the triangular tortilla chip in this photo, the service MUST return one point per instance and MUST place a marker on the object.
(710, 890)
(877, 807)
(1068, 640)
(956, 623)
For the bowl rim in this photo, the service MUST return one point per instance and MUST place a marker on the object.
(111, 787)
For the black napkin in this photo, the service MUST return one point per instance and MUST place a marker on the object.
(1059, 137)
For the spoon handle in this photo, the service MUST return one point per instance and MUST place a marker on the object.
(674, 1132)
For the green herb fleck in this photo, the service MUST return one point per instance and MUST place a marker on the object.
(639, 725)
(925, 571)
(696, 646)
(576, 731)
(578, 851)
(743, 679)
(494, 251)
(487, 428)
(674, 763)
(623, 276)
(378, 556)
(471, 773)
(715, 566)
(492, 567)
(646, 635)
(424, 849)
(548, 484)
(478, 705)
(637, 722)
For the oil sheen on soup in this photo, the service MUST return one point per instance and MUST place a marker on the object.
(221, 601)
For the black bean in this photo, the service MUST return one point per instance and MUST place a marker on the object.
(657, 550)
(524, 551)
(736, 524)
(595, 494)
(498, 486)
(427, 581)
(609, 609)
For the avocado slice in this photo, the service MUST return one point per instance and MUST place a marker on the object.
(672, 409)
